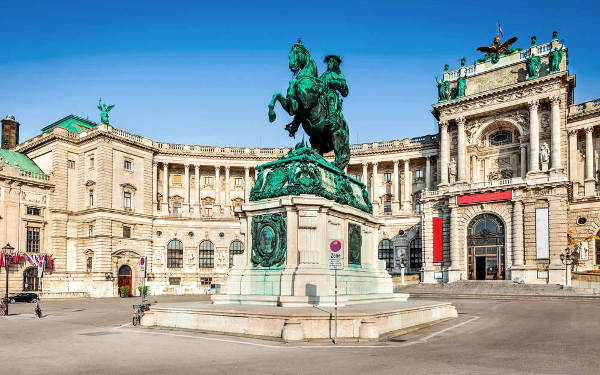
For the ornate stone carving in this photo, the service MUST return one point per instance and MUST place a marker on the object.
(533, 104)
(269, 242)
(452, 170)
(354, 243)
(544, 152)
(500, 174)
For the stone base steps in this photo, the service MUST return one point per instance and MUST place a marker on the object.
(494, 289)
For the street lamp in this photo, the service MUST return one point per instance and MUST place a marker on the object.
(7, 250)
(567, 258)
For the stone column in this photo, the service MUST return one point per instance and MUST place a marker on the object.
(197, 190)
(523, 147)
(590, 183)
(534, 137)
(454, 269)
(396, 198)
(444, 153)
(154, 185)
(165, 202)
(227, 202)
(573, 173)
(428, 173)
(186, 184)
(375, 189)
(517, 235)
(406, 202)
(460, 162)
(218, 185)
(474, 169)
(555, 131)
(365, 175)
(246, 184)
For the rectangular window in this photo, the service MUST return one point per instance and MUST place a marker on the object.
(91, 162)
(417, 207)
(205, 280)
(88, 266)
(208, 180)
(91, 198)
(358, 177)
(542, 234)
(174, 280)
(71, 164)
(176, 208)
(127, 164)
(127, 200)
(239, 181)
(126, 232)
(419, 173)
(387, 206)
(208, 210)
(34, 211)
(387, 177)
(90, 230)
(33, 240)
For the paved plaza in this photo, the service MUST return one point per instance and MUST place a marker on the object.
(93, 336)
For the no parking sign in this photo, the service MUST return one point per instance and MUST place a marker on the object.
(336, 255)
(142, 267)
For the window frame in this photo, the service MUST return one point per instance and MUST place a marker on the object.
(412, 254)
(206, 254)
(32, 211)
(126, 231)
(386, 253)
(126, 163)
(33, 242)
(175, 254)
(236, 247)
(127, 198)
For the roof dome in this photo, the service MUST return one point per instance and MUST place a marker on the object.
(10, 117)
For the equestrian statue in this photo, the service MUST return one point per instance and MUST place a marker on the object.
(315, 104)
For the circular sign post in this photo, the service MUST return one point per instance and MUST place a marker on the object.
(336, 262)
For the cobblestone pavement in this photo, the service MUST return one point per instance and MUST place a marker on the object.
(94, 336)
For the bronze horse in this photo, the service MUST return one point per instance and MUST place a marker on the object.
(306, 101)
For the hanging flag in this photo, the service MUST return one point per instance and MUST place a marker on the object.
(500, 30)
(40, 265)
(30, 259)
(2, 260)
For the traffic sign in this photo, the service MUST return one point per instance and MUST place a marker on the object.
(142, 267)
(336, 255)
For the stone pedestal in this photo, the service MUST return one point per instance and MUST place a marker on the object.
(287, 252)
(589, 187)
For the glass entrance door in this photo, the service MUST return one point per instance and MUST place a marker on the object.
(486, 262)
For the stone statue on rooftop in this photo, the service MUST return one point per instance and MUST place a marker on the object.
(315, 104)
(104, 109)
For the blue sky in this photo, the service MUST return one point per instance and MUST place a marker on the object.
(190, 72)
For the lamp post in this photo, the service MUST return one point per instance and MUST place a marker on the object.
(6, 249)
(568, 258)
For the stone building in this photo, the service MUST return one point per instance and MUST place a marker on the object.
(491, 196)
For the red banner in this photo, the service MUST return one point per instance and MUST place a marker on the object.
(484, 197)
(438, 239)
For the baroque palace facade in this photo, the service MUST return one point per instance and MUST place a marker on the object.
(492, 196)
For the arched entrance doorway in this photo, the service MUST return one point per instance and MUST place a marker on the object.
(125, 278)
(30, 279)
(485, 248)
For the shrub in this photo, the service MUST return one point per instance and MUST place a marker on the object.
(124, 290)
(145, 290)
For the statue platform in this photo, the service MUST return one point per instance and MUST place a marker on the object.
(366, 322)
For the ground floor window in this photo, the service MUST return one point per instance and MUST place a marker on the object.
(30, 279)
(33, 240)
(415, 256)
(206, 254)
(236, 248)
(386, 252)
(175, 254)
(597, 248)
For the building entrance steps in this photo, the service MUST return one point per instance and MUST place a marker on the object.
(495, 289)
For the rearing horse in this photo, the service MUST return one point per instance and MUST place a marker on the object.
(305, 100)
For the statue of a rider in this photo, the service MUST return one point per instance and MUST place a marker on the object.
(334, 82)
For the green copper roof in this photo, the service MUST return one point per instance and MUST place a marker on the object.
(72, 123)
(16, 157)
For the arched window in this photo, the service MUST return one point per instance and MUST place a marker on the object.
(415, 257)
(175, 254)
(386, 252)
(501, 137)
(235, 248)
(30, 279)
(206, 254)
